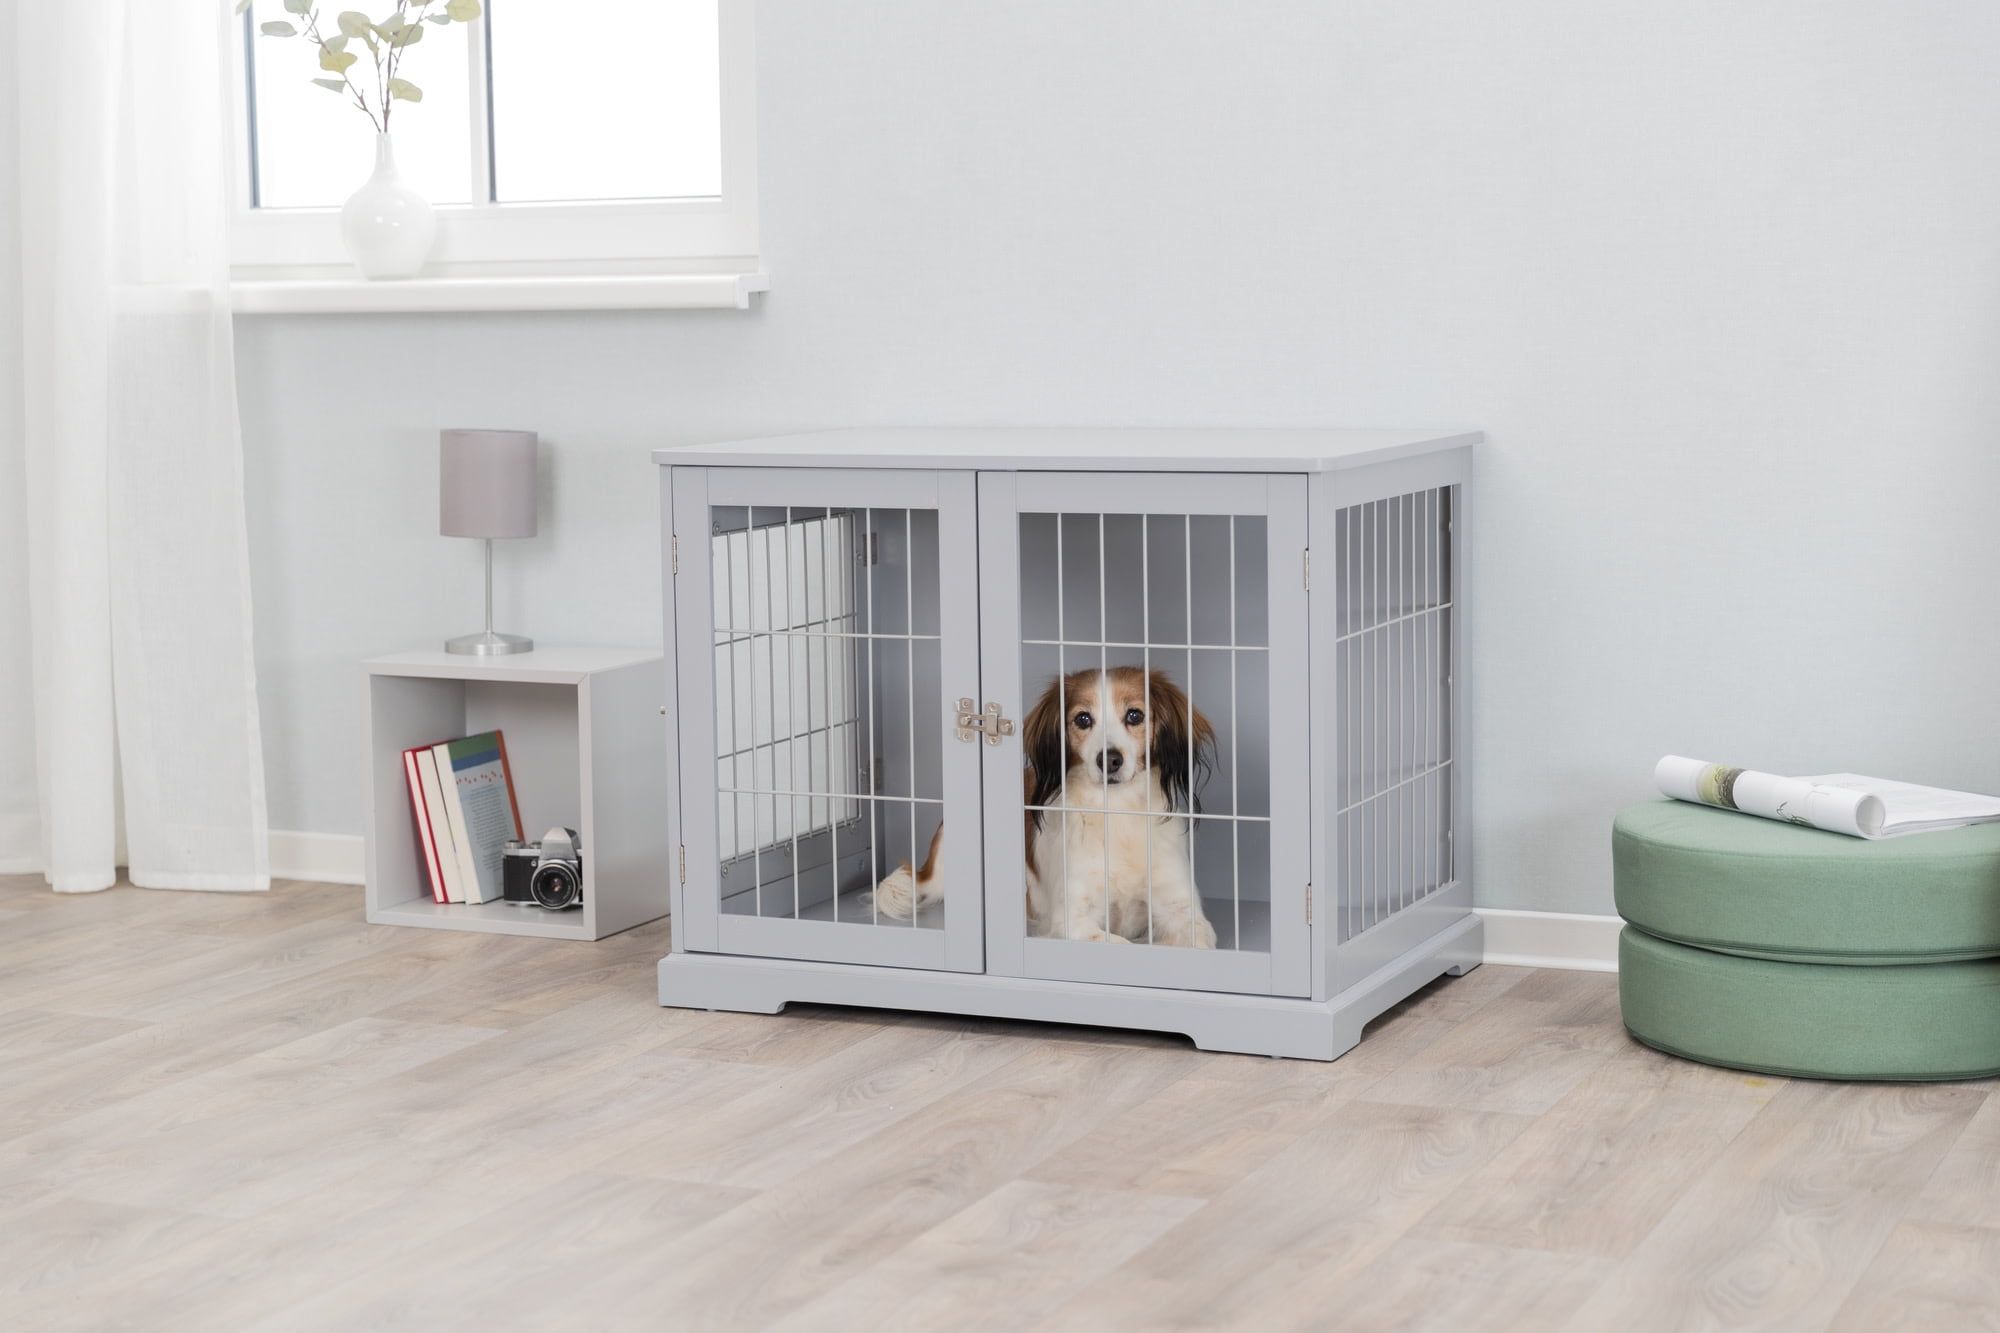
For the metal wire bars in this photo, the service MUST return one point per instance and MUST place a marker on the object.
(1396, 704)
(1181, 598)
(827, 706)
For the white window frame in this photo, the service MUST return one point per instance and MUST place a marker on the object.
(600, 242)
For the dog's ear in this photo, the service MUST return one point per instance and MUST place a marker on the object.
(1183, 742)
(1047, 749)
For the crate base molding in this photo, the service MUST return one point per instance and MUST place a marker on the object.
(1138, 728)
(1241, 1024)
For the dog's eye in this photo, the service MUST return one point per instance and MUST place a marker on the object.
(1083, 721)
(1133, 717)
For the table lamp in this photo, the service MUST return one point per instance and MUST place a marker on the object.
(486, 489)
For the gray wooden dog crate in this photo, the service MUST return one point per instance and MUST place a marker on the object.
(860, 622)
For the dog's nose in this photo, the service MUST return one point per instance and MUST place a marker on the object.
(1110, 760)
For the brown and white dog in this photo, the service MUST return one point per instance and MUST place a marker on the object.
(1104, 749)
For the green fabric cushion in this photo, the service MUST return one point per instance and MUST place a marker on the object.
(1738, 884)
(1918, 1021)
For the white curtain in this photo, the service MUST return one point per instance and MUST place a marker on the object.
(128, 709)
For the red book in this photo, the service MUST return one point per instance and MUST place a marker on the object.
(426, 836)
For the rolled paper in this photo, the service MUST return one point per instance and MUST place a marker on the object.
(1858, 814)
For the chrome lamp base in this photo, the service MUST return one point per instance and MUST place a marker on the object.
(489, 644)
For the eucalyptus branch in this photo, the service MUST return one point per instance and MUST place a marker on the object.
(388, 44)
(387, 80)
(312, 32)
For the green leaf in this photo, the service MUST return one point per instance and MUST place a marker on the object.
(353, 23)
(335, 43)
(441, 20)
(277, 28)
(337, 61)
(463, 10)
(404, 90)
(242, 5)
(298, 6)
(407, 34)
(332, 85)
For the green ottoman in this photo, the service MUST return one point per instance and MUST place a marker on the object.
(1811, 1020)
(1762, 946)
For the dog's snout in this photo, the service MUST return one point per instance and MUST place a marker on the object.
(1110, 760)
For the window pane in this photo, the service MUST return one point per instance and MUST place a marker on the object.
(314, 148)
(620, 100)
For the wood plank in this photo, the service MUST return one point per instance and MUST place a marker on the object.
(1449, 1285)
(262, 1267)
(1522, 1057)
(1206, 1132)
(277, 1110)
(1783, 1221)
(67, 1241)
(769, 1257)
(1303, 1222)
(568, 1247)
(1965, 1189)
(167, 1053)
(29, 1036)
(1928, 1275)
(801, 1034)
(854, 1092)
(1007, 1259)
(1595, 1173)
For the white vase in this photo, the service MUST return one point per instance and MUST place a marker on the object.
(386, 226)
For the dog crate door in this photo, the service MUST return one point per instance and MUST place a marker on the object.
(825, 632)
(1148, 822)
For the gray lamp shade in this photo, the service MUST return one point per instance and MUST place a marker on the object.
(486, 483)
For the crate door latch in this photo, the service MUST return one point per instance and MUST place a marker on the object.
(989, 723)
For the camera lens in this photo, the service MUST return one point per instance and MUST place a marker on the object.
(555, 886)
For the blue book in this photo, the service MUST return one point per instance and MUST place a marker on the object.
(480, 803)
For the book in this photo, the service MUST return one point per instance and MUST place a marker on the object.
(1860, 807)
(451, 883)
(479, 799)
(426, 838)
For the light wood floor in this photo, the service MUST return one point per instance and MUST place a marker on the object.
(255, 1112)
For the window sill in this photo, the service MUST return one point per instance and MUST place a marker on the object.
(358, 296)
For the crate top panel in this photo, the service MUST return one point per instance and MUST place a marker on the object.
(1075, 450)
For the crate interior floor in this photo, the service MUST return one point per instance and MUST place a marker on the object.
(1254, 915)
(240, 1111)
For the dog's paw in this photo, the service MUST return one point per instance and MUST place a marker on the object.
(1204, 935)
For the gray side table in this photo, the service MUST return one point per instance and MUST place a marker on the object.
(586, 742)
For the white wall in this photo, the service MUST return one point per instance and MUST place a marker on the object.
(1719, 279)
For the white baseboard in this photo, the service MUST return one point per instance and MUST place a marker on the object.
(1569, 940)
(330, 858)
(1514, 938)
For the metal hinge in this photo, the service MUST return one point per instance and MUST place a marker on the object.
(684, 863)
(1309, 904)
(989, 723)
(677, 555)
(1309, 569)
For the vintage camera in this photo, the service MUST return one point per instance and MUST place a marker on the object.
(546, 874)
